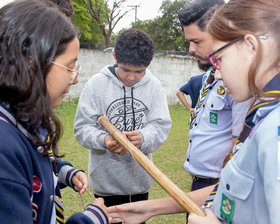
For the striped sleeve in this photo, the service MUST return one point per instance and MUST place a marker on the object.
(96, 214)
(66, 174)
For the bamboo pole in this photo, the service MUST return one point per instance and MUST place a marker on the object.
(172, 189)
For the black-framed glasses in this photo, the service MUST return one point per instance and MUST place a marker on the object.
(216, 62)
(74, 72)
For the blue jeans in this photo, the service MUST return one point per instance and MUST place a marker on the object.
(198, 184)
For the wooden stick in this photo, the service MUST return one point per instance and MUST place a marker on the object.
(172, 189)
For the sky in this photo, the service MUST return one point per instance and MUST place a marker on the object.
(148, 9)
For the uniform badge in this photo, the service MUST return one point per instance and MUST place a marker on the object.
(213, 118)
(221, 90)
(227, 209)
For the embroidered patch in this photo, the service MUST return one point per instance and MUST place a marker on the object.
(213, 118)
(227, 209)
(37, 186)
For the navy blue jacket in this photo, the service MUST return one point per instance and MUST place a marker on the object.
(27, 180)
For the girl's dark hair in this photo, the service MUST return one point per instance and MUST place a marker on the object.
(256, 17)
(65, 6)
(32, 35)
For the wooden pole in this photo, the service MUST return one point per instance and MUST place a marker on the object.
(172, 189)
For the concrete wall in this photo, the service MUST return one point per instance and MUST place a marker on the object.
(172, 72)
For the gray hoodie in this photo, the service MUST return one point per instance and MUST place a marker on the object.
(141, 107)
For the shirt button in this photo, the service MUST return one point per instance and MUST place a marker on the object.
(51, 197)
(40, 149)
(190, 140)
(228, 187)
(203, 105)
(212, 105)
(188, 160)
(195, 124)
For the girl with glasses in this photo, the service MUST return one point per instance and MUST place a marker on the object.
(246, 39)
(246, 54)
(36, 41)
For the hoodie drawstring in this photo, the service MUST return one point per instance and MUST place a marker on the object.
(132, 108)
(124, 105)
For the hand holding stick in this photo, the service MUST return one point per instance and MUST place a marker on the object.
(172, 189)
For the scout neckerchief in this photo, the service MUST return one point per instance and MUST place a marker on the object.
(5, 115)
(257, 113)
(202, 95)
(59, 208)
(254, 116)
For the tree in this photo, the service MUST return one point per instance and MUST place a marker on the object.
(90, 34)
(166, 30)
(105, 17)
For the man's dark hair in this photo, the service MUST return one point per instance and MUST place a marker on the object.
(199, 12)
(134, 47)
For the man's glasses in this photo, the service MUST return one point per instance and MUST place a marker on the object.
(216, 62)
(74, 72)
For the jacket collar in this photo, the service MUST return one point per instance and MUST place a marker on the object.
(7, 115)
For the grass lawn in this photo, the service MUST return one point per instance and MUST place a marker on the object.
(169, 158)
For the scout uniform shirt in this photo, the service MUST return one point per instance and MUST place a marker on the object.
(249, 191)
(219, 119)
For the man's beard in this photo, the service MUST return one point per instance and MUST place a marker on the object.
(204, 67)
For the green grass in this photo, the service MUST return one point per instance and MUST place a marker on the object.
(169, 158)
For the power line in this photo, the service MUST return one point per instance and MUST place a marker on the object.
(135, 8)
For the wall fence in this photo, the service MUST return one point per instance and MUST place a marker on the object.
(172, 72)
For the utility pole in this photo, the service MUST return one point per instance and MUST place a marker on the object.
(135, 8)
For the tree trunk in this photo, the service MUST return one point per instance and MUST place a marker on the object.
(107, 41)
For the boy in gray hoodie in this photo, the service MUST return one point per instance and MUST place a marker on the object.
(134, 101)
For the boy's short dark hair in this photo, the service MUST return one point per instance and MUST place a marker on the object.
(199, 12)
(134, 47)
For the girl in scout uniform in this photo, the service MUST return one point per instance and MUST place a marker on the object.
(246, 40)
(38, 60)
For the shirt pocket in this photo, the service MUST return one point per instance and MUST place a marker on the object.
(216, 114)
(216, 103)
(239, 183)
